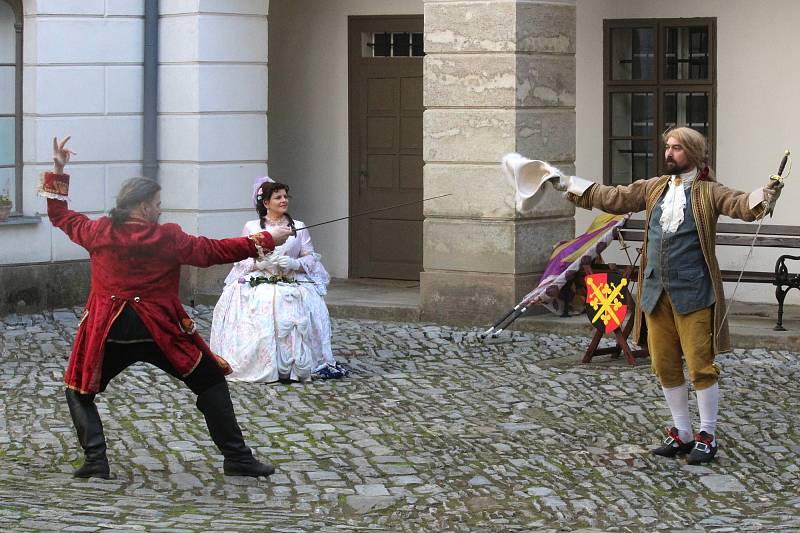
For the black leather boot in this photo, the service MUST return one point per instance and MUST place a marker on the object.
(90, 434)
(215, 404)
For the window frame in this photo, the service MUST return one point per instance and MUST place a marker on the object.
(369, 44)
(658, 85)
(16, 8)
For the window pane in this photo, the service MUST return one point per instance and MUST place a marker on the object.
(632, 114)
(7, 183)
(417, 44)
(632, 54)
(8, 36)
(686, 109)
(631, 160)
(7, 90)
(7, 137)
(380, 44)
(686, 53)
(401, 44)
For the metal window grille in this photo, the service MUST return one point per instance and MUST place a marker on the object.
(397, 44)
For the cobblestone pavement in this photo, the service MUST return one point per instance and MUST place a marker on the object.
(432, 432)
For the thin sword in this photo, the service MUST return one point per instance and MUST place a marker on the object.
(779, 179)
(375, 211)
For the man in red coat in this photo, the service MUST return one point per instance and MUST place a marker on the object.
(133, 313)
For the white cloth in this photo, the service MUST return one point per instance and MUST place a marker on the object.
(678, 403)
(527, 175)
(674, 204)
(274, 331)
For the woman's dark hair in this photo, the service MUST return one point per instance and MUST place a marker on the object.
(268, 188)
(133, 192)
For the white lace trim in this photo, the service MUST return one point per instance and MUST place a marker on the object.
(44, 194)
(674, 204)
(316, 272)
(53, 196)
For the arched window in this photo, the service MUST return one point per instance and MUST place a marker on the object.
(11, 102)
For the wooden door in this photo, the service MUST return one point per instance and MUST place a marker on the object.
(386, 146)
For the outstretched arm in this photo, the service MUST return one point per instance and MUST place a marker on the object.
(617, 200)
(742, 205)
(204, 252)
(55, 187)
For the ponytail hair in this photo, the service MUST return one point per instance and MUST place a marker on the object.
(133, 192)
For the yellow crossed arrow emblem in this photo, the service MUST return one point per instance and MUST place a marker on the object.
(606, 302)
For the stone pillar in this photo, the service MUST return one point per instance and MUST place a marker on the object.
(499, 77)
(212, 120)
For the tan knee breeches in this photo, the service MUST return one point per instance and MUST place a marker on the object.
(671, 335)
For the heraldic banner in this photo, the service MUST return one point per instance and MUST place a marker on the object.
(606, 300)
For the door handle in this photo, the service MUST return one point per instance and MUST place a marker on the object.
(362, 179)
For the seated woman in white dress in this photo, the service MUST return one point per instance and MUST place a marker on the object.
(271, 322)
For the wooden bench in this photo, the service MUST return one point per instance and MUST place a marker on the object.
(739, 234)
(728, 234)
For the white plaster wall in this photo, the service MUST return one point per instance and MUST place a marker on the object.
(308, 112)
(82, 77)
(212, 111)
(757, 49)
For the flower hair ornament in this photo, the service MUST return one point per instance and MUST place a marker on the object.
(257, 188)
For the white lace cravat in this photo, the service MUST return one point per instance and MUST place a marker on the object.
(674, 203)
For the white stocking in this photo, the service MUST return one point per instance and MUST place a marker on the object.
(678, 402)
(708, 405)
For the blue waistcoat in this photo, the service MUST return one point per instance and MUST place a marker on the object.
(675, 263)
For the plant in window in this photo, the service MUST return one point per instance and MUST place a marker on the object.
(5, 205)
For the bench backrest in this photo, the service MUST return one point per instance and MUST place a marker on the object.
(733, 234)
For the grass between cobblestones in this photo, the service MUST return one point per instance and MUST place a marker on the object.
(432, 432)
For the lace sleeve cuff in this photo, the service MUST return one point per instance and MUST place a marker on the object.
(755, 199)
(578, 186)
(583, 200)
(54, 186)
(263, 243)
(313, 268)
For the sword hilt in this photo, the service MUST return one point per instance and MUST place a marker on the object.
(783, 163)
(776, 180)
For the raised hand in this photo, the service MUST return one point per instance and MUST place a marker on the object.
(61, 155)
(771, 193)
(280, 234)
(561, 183)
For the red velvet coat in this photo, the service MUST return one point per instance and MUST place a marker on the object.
(138, 264)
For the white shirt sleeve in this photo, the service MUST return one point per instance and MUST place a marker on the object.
(755, 198)
(578, 186)
(306, 246)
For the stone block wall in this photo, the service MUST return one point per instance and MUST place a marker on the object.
(499, 78)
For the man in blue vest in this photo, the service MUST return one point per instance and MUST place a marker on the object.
(681, 295)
